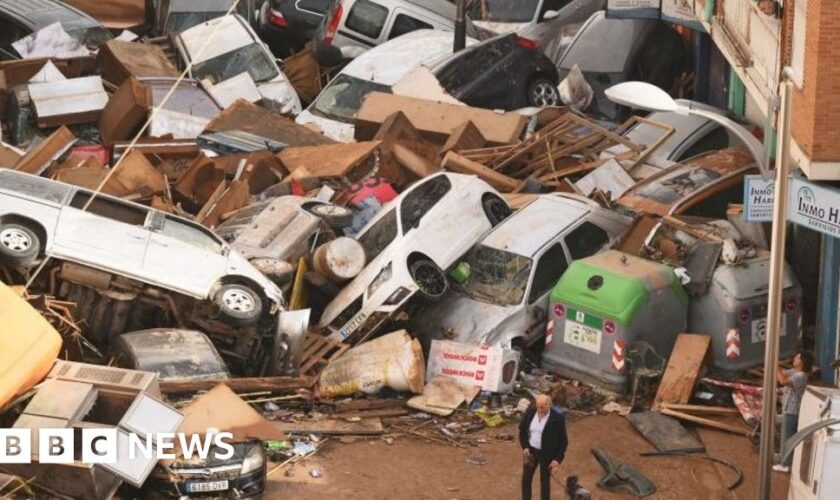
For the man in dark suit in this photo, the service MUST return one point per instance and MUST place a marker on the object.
(542, 436)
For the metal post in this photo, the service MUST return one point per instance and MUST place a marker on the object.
(774, 306)
(460, 27)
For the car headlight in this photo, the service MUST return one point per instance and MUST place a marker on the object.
(253, 461)
(397, 297)
(383, 276)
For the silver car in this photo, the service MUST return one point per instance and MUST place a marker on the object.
(508, 276)
(41, 217)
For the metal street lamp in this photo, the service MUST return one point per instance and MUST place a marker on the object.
(642, 95)
(646, 96)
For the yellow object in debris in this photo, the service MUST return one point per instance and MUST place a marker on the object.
(29, 345)
(298, 299)
(489, 419)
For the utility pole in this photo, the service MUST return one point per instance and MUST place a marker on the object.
(775, 306)
(460, 27)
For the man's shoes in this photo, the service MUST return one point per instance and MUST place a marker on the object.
(781, 468)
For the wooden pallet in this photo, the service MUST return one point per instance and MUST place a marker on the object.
(319, 350)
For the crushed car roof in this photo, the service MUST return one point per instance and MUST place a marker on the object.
(390, 62)
(661, 192)
(536, 223)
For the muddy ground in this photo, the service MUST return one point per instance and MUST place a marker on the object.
(411, 468)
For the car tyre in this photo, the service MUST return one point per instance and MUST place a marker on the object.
(336, 217)
(19, 245)
(496, 209)
(542, 92)
(238, 304)
(430, 280)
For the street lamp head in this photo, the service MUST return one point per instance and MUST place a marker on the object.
(641, 95)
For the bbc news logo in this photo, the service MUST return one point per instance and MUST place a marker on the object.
(103, 446)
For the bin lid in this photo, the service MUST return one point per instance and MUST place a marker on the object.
(614, 284)
(750, 278)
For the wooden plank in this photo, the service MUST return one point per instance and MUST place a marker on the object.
(436, 120)
(457, 163)
(714, 410)
(413, 162)
(360, 405)
(38, 158)
(367, 426)
(735, 429)
(330, 160)
(683, 368)
(464, 137)
(248, 384)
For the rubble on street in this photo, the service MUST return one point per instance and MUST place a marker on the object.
(243, 240)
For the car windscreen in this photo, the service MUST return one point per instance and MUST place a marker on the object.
(379, 235)
(180, 21)
(678, 185)
(251, 58)
(496, 276)
(343, 97)
(519, 11)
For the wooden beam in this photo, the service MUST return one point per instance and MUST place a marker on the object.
(252, 384)
(457, 163)
(742, 430)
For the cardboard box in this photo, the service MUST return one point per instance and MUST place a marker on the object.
(489, 368)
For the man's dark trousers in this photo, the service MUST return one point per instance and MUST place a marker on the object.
(536, 459)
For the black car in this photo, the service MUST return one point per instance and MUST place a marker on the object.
(20, 18)
(611, 50)
(288, 24)
(242, 475)
(505, 72)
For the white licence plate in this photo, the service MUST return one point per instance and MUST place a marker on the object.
(759, 329)
(354, 323)
(582, 336)
(207, 486)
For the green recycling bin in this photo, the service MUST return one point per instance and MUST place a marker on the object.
(602, 305)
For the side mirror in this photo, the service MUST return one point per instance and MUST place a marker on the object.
(550, 14)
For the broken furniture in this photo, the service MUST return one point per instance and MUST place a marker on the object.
(644, 365)
(83, 396)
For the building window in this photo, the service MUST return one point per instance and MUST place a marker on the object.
(800, 11)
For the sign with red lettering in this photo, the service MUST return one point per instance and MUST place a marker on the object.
(489, 368)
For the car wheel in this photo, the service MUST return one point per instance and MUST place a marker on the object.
(429, 279)
(19, 245)
(336, 217)
(541, 92)
(238, 304)
(496, 209)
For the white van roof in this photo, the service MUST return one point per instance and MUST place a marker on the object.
(390, 62)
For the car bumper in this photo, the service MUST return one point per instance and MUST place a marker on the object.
(236, 485)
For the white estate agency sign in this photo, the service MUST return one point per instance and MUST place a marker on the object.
(758, 198)
(814, 206)
(811, 205)
(634, 8)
